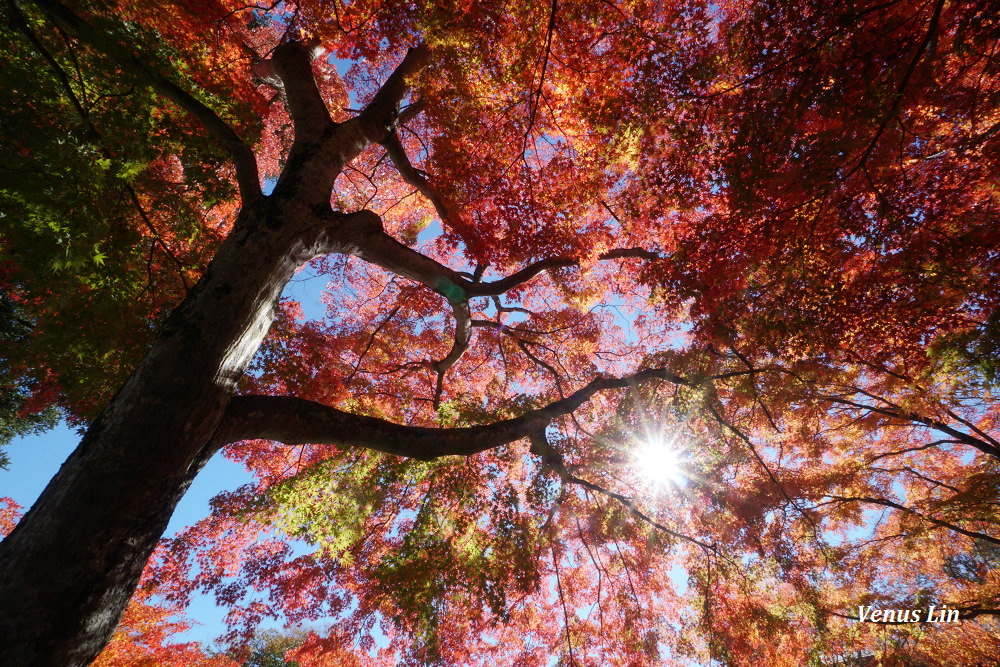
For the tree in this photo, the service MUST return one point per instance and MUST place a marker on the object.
(144, 635)
(142, 639)
(269, 648)
(756, 237)
(15, 393)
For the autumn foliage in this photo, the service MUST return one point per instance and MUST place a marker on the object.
(763, 235)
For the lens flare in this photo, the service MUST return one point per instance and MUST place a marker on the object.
(659, 462)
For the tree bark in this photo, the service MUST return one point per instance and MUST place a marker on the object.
(71, 564)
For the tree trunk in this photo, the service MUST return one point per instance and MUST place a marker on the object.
(72, 563)
(70, 566)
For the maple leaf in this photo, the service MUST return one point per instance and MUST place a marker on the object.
(756, 238)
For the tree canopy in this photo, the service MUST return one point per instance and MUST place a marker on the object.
(654, 333)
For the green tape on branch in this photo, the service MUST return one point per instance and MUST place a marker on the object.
(450, 290)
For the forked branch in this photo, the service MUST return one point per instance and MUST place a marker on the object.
(381, 249)
(463, 336)
(292, 64)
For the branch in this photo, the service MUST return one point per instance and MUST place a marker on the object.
(463, 336)
(384, 251)
(296, 421)
(244, 160)
(522, 276)
(523, 345)
(541, 79)
(553, 459)
(935, 424)
(134, 198)
(323, 148)
(918, 448)
(541, 363)
(895, 412)
(292, 64)
(937, 522)
(562, 599)
(774, 480)
(379, 248)
(371, 341)
(411, 111)
(381, 115)
(394, 148)
(972, 612)
(20, 22)
(898, 98)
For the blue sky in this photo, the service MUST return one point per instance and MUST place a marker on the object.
(35, 459)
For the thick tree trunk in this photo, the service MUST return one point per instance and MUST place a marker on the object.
(70, 566)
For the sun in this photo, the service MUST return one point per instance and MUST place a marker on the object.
(659, 462)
